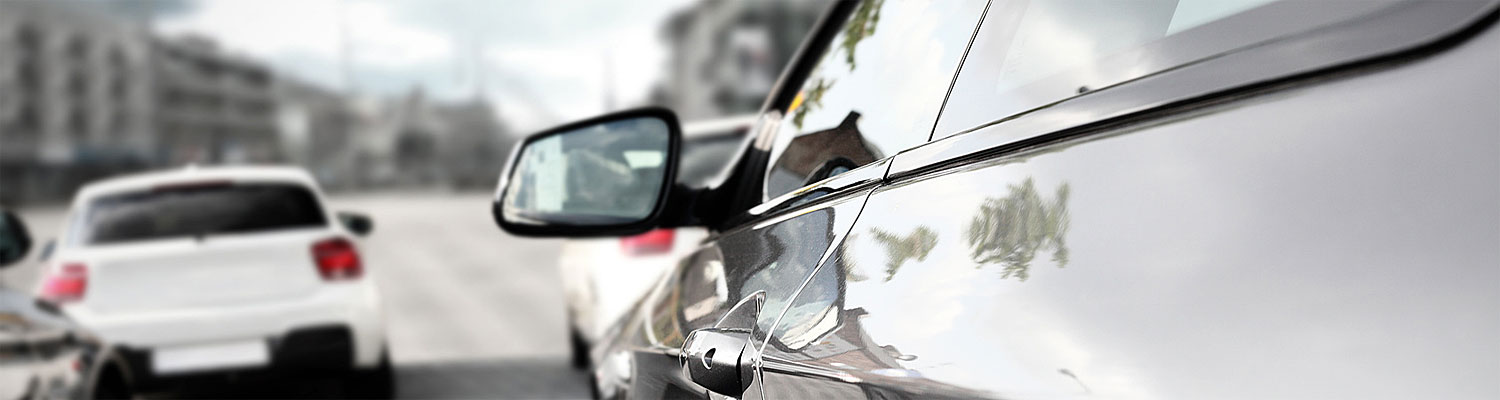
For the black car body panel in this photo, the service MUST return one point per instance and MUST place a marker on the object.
(771, 258)
(1245, 250)
(1309, 213)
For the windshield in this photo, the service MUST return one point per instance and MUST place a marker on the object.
(199, 210)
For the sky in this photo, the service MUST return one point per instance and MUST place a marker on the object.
(538, 62)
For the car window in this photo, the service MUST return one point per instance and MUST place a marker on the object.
(1031, 53)
(704, 157)
(874, 92)
(199, 210)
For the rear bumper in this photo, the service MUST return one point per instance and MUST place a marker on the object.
(297, 329)
(311, 350)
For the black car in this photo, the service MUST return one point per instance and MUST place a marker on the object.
(1069, 199)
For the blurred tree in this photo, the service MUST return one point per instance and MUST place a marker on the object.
(861, 26)
(914, 245)
(1010, 230)
(813, 100)
(845, 266)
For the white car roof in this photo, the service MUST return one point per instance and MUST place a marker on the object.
(147, 180)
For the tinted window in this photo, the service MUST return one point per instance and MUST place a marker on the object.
(199, 210)
(704, 157)
(876, 91)
(1030, 53)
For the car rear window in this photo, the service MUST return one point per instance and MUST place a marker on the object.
(704, 158)
(199, 210)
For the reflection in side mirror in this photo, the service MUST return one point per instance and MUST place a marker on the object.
(358, 223)
(605, 176)
(15, 240)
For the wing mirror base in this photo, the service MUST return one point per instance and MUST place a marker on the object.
(357, 223)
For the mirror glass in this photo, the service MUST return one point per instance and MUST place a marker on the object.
(359, 224)
(610, 173)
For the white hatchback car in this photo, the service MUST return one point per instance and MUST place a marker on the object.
(203, 271)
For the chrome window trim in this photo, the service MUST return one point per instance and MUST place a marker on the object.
(1411, 28)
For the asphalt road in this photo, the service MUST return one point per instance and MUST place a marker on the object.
(471, 312)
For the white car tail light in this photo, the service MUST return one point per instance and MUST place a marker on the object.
(337, 259)
(65, 284)
(657, 241)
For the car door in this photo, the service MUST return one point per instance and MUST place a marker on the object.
(820, 153)
(1155, 239)
(748, 272)
(873, 93)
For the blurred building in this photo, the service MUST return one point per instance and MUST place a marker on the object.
(75, 98)
(212, 106)
(416, 141)
(409, 141)
(316, 126)
(86, 93)
(726, 55)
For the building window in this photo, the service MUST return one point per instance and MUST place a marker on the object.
(28, 38)
(78, 48)
(28, 120)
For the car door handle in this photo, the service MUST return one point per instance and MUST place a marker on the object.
(719, 359)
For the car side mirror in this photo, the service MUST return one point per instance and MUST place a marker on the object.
(358, 223)
(46, 253)
(606, 176)
(15, 239)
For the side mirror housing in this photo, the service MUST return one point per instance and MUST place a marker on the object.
(358, 223)
(47, 248)
(606, 176)
(15, 239)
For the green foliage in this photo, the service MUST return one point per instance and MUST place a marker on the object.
(1010, 230)
(861, 26)
(914, 245)
(814, 100)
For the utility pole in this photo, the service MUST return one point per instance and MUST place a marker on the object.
(479, 70)
(345, 70)
(609, 83)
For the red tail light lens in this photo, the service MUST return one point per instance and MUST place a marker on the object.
(653, 242)
(65, 284)
(337, 259)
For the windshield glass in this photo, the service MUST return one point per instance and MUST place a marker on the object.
(199, 210)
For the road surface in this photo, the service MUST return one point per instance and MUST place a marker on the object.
(471, 312)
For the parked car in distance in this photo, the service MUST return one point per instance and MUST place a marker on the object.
(43, 354)
(1069, 199)
(206, 271)
(602, 277)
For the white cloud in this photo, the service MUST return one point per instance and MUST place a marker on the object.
(541, 63)
(378, 40)
(263, 28)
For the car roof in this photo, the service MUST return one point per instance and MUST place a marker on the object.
(189, 174)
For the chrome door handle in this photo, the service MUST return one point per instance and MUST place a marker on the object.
(720, 359)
